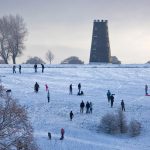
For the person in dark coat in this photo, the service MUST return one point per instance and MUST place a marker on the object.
(112, 99)
(35, 67)
(82, 105)
(146, 89)
(49, 135)
(81, 93)
(78, 94)
(70, 89)
(122, 105)
(91, 107)
(42, 68)
(79, 87)
(108, 95)
(20, 69)
(87, 107)
(36, 87)
(48, 96)
(71, 115)
(62, 133)
(14, 69)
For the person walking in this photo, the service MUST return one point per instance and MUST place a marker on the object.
(79, 87)
(49, 136)
(87, 107)
(35, 67)
(82, 105)
(91, 107)
(48, 96)
(71, 115)
(42, 68)
(108, 95)
(36, 87)
(70, 89)
(112, 100)
(146, 89)
(122, 105)
(14, 69)
(62, 133)
(20, 69)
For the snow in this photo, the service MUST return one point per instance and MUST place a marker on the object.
(125, 81)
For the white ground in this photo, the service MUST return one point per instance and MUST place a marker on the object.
(81, 133)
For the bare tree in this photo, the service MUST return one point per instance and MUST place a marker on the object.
(4, 49)
(114, 123)
(18, 32)
(109, 123)
(134, 128)
(12, 35)
(49, 56)
(15, 128)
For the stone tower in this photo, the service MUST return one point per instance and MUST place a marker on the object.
(100, 48)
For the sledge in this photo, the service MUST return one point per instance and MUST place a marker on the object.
(147, 95)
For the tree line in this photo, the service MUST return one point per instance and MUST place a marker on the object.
(13, 32)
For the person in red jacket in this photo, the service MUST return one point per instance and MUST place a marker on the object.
(46, 86)
(62, 133)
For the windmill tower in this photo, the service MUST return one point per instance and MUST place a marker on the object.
(100, 48)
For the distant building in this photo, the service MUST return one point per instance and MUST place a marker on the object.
(100, 48)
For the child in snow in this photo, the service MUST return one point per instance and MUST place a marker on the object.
(46, 87)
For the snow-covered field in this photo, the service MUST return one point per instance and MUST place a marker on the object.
(127, 82)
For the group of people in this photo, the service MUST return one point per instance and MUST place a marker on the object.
(110, 98)
(62, 132)
(14, 69)
(80, 93)
(35, 67)
(36, 89)
(88, 106)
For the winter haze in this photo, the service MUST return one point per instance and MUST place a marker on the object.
(65, 27)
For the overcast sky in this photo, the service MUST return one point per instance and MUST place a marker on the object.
(65, 27)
